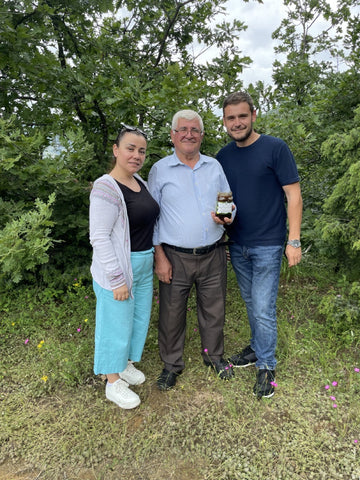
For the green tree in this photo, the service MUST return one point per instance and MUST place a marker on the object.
(339, 225)
(66, 64)
(70, 72)
(296, 78)
(312, 98)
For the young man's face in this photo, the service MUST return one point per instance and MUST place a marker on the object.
(238, 121)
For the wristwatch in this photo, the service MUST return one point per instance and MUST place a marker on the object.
(294, 243)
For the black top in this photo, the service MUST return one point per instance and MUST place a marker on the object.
(142, 211)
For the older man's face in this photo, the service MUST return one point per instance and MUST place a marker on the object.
(187, 137)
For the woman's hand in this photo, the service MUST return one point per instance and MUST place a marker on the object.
(121, 293)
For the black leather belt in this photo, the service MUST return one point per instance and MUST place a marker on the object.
(197, 250)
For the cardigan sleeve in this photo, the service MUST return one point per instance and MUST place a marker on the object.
(105, 206)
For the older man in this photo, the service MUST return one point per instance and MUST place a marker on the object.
(189, 249)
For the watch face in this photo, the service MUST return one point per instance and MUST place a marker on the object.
(294, 243)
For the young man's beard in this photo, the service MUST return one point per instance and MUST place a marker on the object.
(243, 138)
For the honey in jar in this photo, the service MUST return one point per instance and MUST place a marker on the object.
(224, 205)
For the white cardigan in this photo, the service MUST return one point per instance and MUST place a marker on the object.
(110, 235)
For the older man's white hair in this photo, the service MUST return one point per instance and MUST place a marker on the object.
(187, 115)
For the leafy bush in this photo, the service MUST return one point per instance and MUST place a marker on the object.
(341, 308)
(25, 241)
(33, 173)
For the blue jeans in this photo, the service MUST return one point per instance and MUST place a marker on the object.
(257, 272)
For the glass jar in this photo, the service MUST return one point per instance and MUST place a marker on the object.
(224, 205)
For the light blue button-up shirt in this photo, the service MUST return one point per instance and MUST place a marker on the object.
(187, 197)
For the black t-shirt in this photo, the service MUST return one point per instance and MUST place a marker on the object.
(142, 211)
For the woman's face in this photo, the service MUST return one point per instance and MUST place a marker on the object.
(130, 153)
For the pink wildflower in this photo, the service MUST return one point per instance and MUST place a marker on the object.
(357, 370)
(205, 350)
(332, 398)
(334, 384)
(334, 405)
(327, 387)
(26, 341)
(79, 329)
(274, 384)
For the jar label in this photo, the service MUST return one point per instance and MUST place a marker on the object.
(223, 208)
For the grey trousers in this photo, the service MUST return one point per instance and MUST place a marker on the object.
(208, 274)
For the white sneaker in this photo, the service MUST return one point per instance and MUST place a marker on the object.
(132, 375)
(120, 393)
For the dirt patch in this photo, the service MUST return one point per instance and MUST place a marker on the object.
(9, 471)
(175, 469)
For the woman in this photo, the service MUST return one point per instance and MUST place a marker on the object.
(122, 218)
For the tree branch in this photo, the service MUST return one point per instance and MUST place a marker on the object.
(103, 124)
(168, 29)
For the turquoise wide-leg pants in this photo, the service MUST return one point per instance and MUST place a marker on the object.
(122, 326)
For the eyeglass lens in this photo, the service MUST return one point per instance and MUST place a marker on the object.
(184, 130)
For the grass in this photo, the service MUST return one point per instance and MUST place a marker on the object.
(57, 424)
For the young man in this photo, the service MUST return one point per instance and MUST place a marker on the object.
(261, 172)
(188, 248)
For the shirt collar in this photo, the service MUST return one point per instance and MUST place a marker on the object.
(174, 161)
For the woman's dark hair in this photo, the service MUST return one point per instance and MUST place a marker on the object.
(126, 129)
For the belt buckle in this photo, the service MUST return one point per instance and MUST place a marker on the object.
(195, 251)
